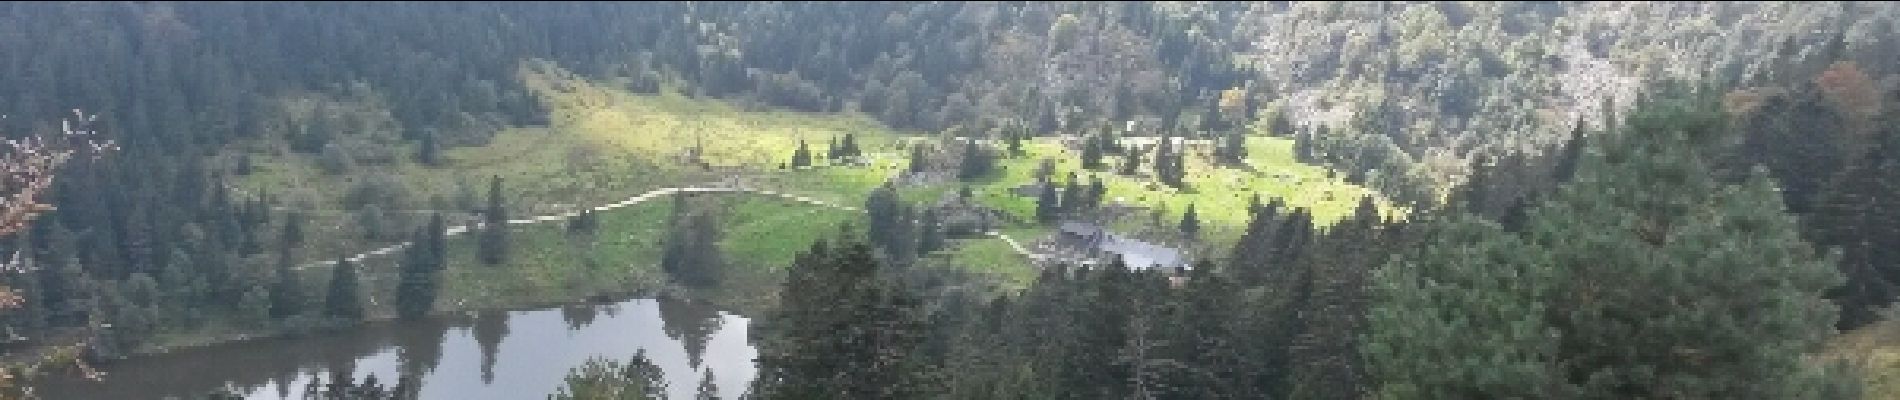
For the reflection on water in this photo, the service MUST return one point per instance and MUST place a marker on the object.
(493, 355)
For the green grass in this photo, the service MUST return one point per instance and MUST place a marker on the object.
(1875, 351)
(990, 257)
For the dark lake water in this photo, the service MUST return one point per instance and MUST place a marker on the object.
(493, 355)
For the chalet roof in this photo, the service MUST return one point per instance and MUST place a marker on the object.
(1083, 229)
(1142, 255)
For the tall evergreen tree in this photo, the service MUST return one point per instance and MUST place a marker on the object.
(1048, 205)
(287, 296)
(1646, 277)
(929, 232)
(1131, 163)
(802, 157)
(919, 161)
(419, 276)
(493, 248)
(1190, 223)
(1092, 153)
(844, 330)
(345, 299)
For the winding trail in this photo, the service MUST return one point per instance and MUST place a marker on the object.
(641, 198)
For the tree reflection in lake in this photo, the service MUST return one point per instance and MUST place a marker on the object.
(520, 354)
(691, 323)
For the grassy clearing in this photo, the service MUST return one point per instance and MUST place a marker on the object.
(604, 144)
(990, 257)
(1875, 350)
(1220, 194)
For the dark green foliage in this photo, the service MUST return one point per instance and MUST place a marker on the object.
(1190, 223)
(843, 330)
(493, 248)
(848, 148)
(929, 232)
(691, 254)
(919, 161)
(1233, 147)
(601, 379)
(429, 149)
(587, 223)
(977, 162)
(421, 271)
(1626, 284)
(1092, 153)
(345, 298)
(1048, 205)
(802, 157)
(287, 296)
(1131, 164)
(1170, 168)
(254, 308)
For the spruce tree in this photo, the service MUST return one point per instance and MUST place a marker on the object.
(345, 299)
(494, 239)
(844, 329)
(1092, 154)
(802, 157)
(918, 160)
(254, 308)
(1644, 278)
(287, 297)
(418, 279)
(1190, 223)
(1233, 147)
(1048, 208)
(1131, 163)
(929, 233)
(849, 147)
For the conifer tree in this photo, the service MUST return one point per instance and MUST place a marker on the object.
(802, 157)
(1092, 154)
(287, 296)
(1190, 223)
(494, 238)
(345, 299)
(844, 329)
(1048, 206)
(1628, 283)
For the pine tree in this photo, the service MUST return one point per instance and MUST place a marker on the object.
(494, 238)
(1014, 143)
(1048, 210)
(254, 308)
(849, 147)
(417, 283)
(287, 297)
(1625, 284)
(707, 389)
(1092, 154)
(918, 160)
(1131, 163)
(802, 157)
(428, 151)
(1097, 191)
(345, 300)
(977, 162)
(1190, 223)
(1072, 197)
(1233, 147)
(844, 329)
(293, 230)
(930, 233)
(833, 152)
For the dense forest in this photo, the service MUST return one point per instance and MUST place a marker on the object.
(1602, 200)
